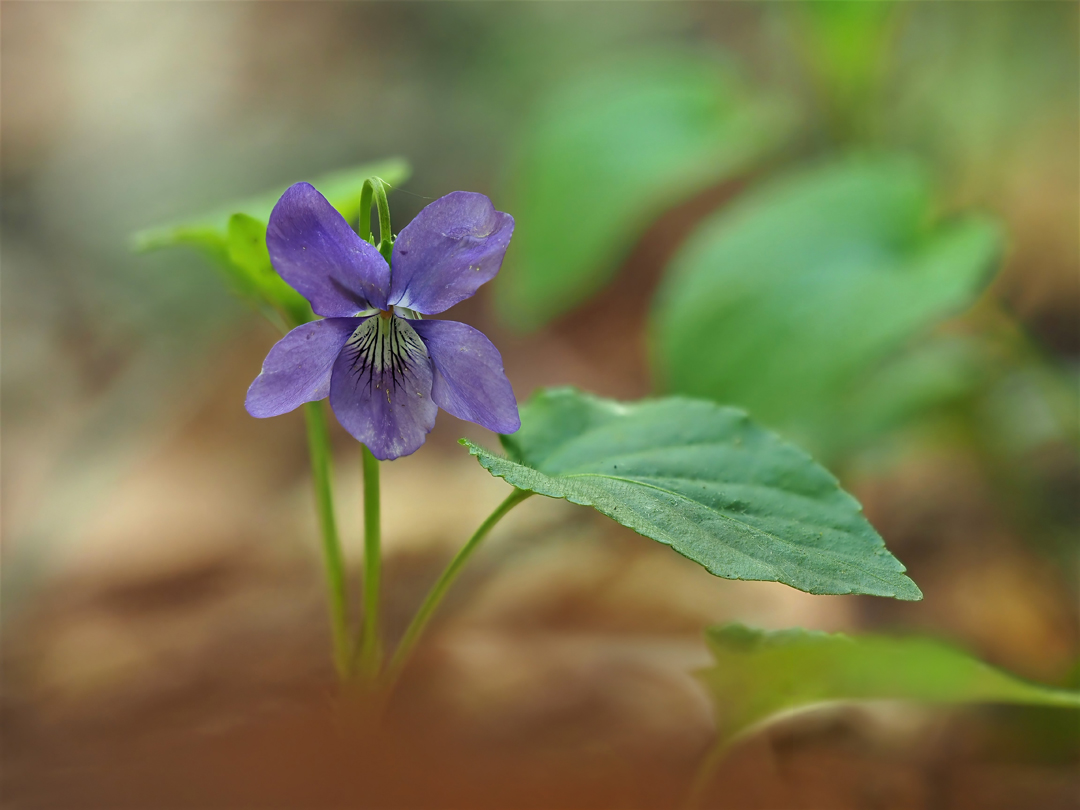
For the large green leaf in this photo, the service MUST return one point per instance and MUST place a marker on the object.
(705, 480)
(234, 236)
(786, 302)
(760, 673)
(603, 156)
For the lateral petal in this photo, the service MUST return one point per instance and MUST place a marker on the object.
(298, 367)
(469, 380)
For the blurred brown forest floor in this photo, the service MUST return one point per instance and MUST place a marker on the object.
(181, 658)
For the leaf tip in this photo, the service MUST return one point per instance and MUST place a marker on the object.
(907, 590)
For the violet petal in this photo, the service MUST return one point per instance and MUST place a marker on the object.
(452, 247)
(313, 248)
(297, 369)
(469, 381)
(381, 387)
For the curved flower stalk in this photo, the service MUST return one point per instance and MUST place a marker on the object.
(385, 369)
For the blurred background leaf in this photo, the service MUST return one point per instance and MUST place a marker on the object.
(846, 49)
(760, 673)
(785, 302)
(907, 387)
(605, 153)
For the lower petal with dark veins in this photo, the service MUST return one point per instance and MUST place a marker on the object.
(380, 388)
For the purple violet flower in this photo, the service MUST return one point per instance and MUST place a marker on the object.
(385, 369)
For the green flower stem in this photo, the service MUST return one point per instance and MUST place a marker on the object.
(374, 187)
(704, 774)
(319, 447)
(369, 647)
(370, 641)
(431, 602)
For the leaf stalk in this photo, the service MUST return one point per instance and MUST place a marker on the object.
(442, 585)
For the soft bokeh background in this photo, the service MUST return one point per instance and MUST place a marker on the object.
(164, 633)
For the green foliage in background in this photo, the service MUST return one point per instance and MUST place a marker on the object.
(603, 156)
(759, 674)
(789, 302)
(705, 480)
(844, 49)
(234, 237)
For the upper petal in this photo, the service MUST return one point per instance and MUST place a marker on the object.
(469, 379)
(452, 247)
(297, 369)
(381, 387)
(313, 248)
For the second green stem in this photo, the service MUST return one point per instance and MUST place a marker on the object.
(434, 597)
(319, 444)
(371, 649)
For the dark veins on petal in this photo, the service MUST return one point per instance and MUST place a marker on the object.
(381, 350)
(380, 388)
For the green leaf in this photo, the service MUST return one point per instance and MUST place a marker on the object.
(247, 251)
(786, 302)
(234, 237)
(210, 230)
(760, 673)
(705, 480)
(604, 156)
